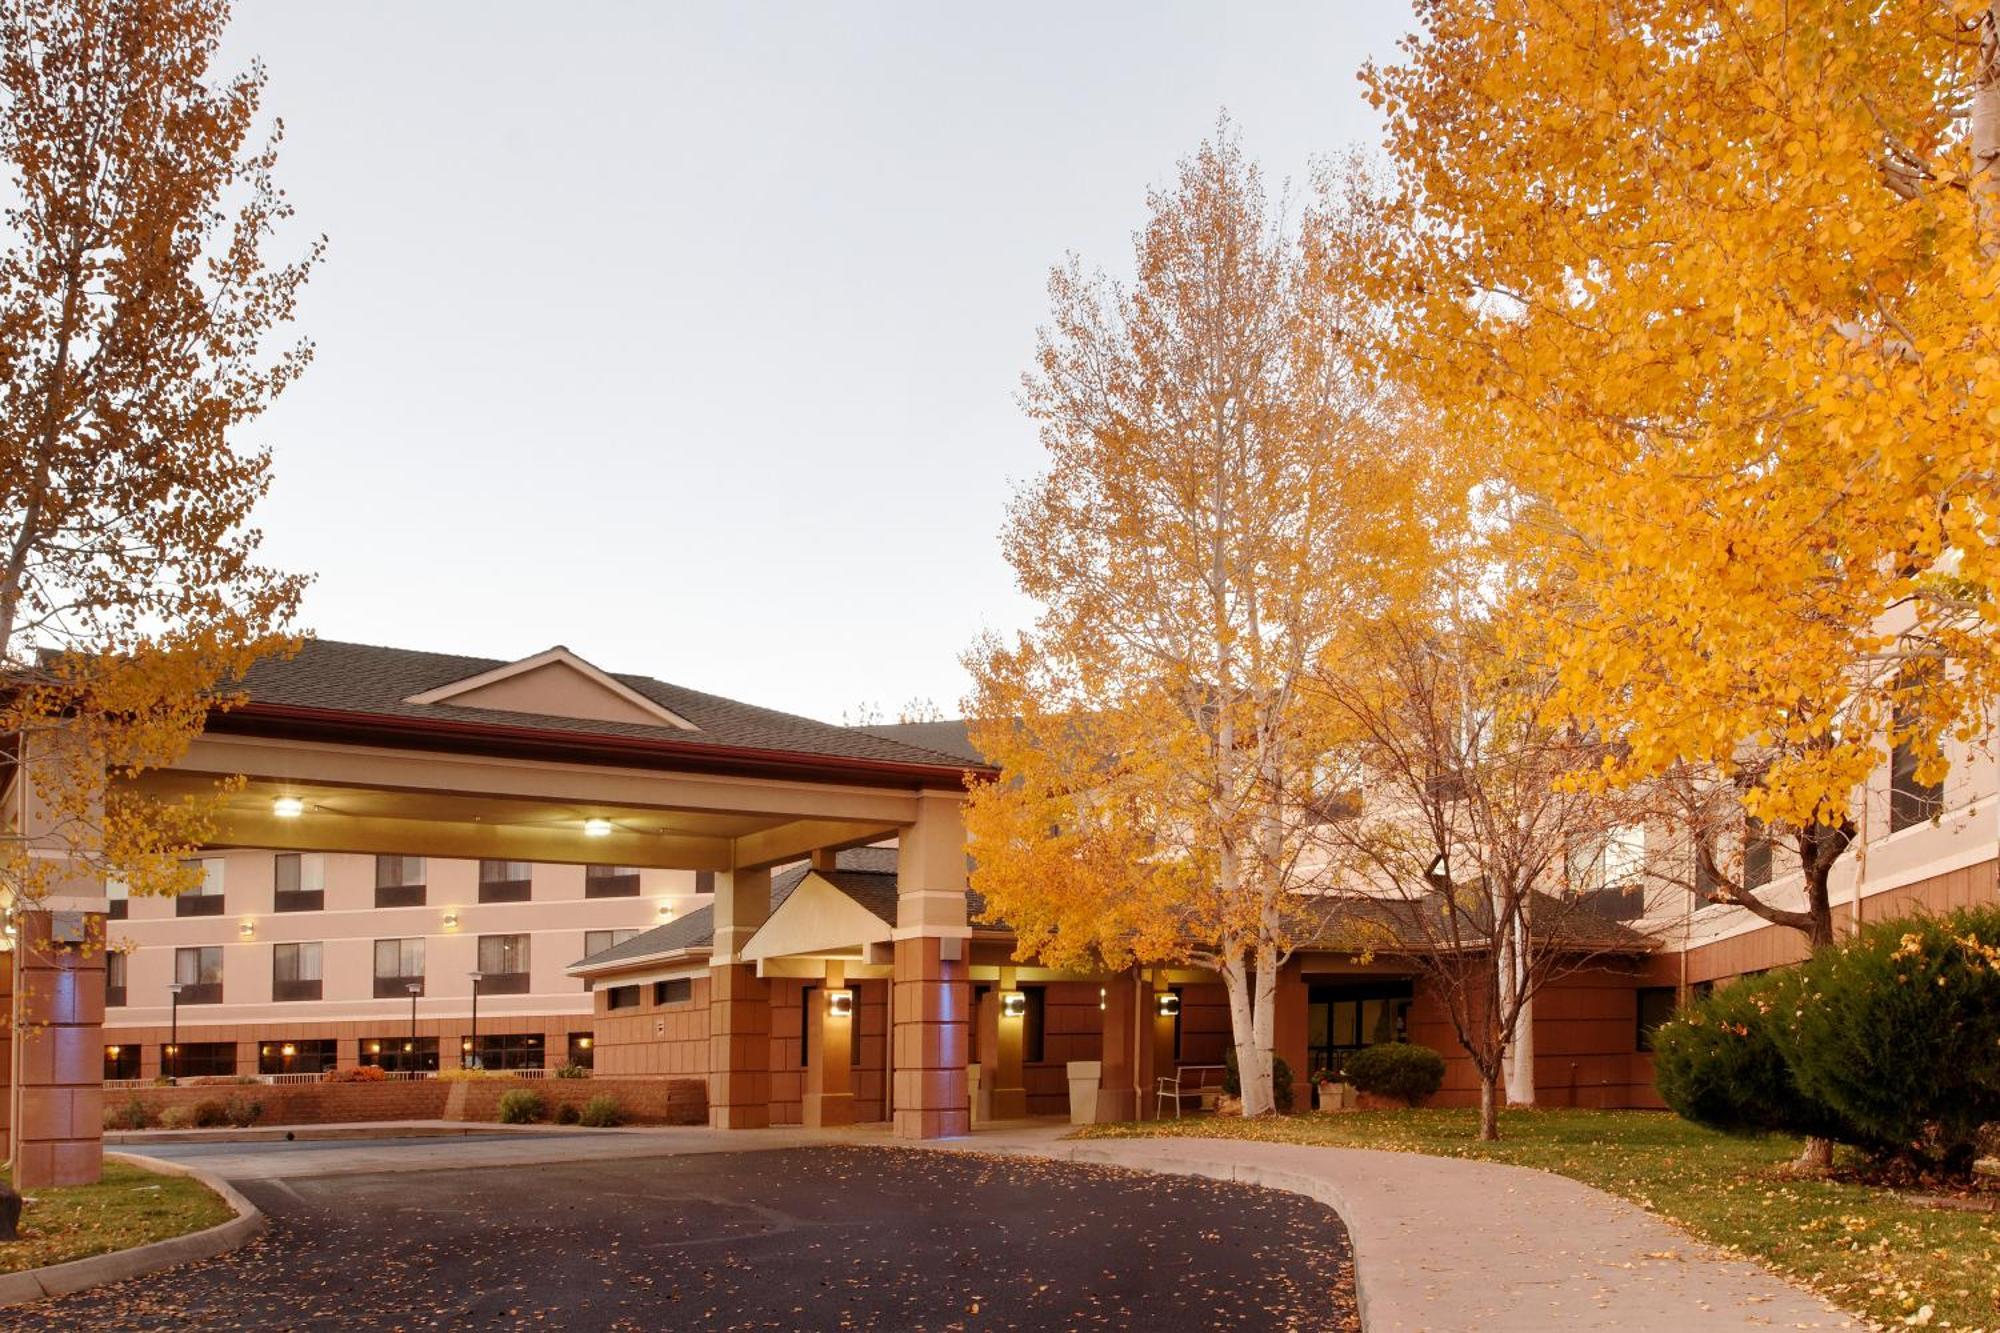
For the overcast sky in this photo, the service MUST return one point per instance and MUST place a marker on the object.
(689, 335)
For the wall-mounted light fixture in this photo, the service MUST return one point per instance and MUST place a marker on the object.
(596, 828)
(1013, 1004)
(247, 929)
(451, 920)
(288, 807)
(840, 1003)
(666, 911)
(1103, 996)
(1167, 1004)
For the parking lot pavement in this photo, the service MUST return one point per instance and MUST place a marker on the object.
(819, 1238)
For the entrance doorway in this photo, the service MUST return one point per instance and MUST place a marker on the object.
(1345, 1016)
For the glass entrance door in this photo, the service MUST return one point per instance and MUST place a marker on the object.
(1347, 1016)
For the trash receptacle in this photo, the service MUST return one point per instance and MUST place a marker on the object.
(1084, 1076)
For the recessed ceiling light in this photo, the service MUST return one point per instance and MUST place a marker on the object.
(288, 807)
(597, 828)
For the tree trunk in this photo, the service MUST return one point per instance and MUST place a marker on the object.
(1985, 186)
(1520, 1060)
(1816, 1156)
(1489, 1108)
(1253, 1073)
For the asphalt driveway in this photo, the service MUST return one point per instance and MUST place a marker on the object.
(817, 1238)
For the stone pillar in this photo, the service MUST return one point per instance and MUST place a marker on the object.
(59, 1021)
(1002, 1060)
(829, 1092)
(930, 994)
(739, 1007)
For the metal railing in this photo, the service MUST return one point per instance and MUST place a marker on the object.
(390, 1076)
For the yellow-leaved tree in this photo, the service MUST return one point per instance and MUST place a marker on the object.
(136, 310)
(1720, 281)
(1226, 496)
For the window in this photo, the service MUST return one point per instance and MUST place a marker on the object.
(582, 1050)
(198, 972)
(399, 881)
(114, 978)
(399, 964)
(807, 994)
(673, 992)
(704, 881)
(1031, 1025)
(1180, 1008)
(610, 882)
(1911, 802)
(1656, 1006)
(295, 973)
(503, 964)
(205, 898)
(199, 1059)
(121, 1062)
(1756, 855)
(400, 1054)
(622, 997)
(118, 895)
(504, 1050)
(597, 941)
(506, 881)
(315, 1056)
(298, 882)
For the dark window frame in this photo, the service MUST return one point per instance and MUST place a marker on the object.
(297, 988)
(511, 1050)
(664, 992)
(400, 892)
(620, 997)
(200, 1059)
(114, 991)
(598, 882)
(511, 890)
(199, 992)
(1034, 1031)
(310, 1055)
(396, 986)
(393, 1056)
(1643, 1030)
(123, 1065)
(293, 899)
(495, 982)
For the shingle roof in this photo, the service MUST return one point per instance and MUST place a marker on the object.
(1566, 926)
(945, 737)
(378, 681)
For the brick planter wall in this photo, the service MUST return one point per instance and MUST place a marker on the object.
(643, 1101)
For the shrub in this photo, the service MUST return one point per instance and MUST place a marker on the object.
(602, 1112)
(1281, 1079)
(567, 1114)
(471, 1075)
(1400, 1069)
(521, 1106)
(177, 1117)
(1720, 1062)
(128, 1114)
(242, 1112)
(356, 1074)
(209, 1113)
(1899, 1032)
(572, 1071)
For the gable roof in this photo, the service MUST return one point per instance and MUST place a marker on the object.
(484, 690)
(329, 682)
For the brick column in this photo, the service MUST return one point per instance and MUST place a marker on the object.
(930, 996)
(739, 1007)
(1128, 1058)
(1288, 1029)
(829, 1091)
(59, 1021)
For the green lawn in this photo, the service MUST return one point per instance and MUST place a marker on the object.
(1869, 1250)
(128, 1207)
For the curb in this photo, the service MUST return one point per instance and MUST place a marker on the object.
(35, 1284)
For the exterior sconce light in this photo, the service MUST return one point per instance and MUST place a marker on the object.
(451, 920)
(288, 807)
(1167, 1004)
(1102, 996)
(840, 1003)
(596, 828)
(666, 911)
(247, 929)
(465, 1043)
(1013, 1004)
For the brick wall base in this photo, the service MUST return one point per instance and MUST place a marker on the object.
(677, 1101)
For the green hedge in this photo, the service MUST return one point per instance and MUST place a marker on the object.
(1889, 1042)
(1399, 1069)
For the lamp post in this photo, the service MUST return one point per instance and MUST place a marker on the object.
(415, 988)
(174, 1034)
(471, 1060)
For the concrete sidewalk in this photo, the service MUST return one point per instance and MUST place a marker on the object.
(1449, 1245)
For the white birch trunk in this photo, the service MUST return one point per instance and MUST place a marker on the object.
(1985, 186)
(1246, 1011)
(1521, 1051)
